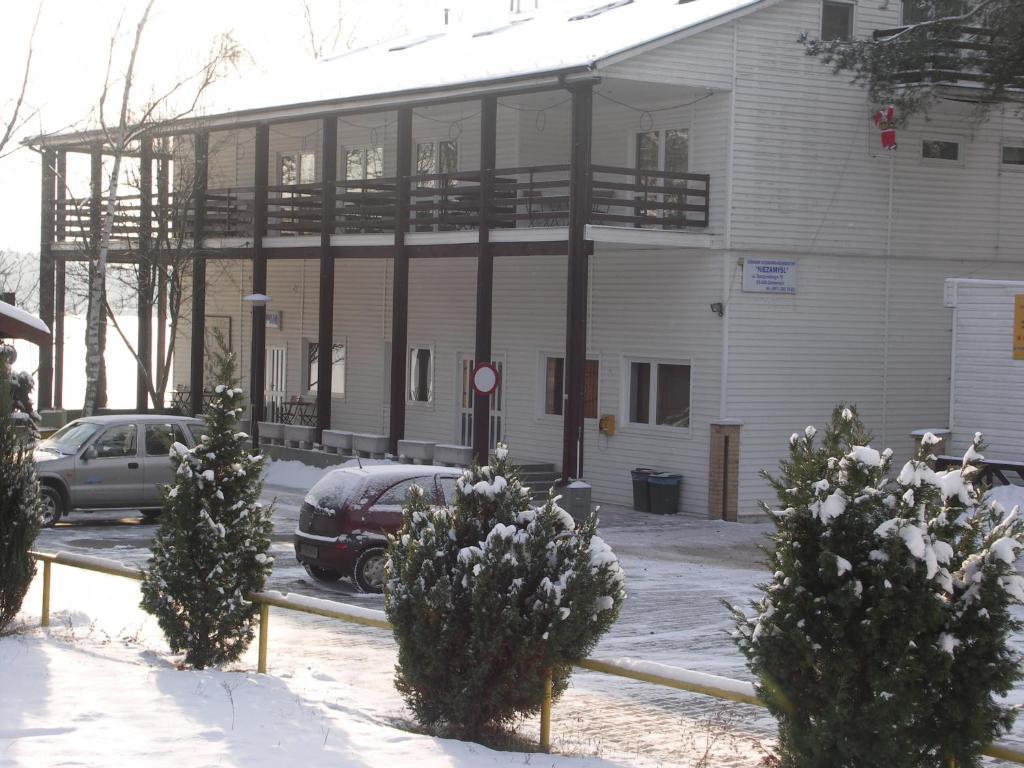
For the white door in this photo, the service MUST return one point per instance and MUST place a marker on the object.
(467, 397)
(276, 378)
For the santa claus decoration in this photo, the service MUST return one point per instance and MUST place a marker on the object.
(885, 121)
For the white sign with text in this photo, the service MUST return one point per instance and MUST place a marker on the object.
(769, 276)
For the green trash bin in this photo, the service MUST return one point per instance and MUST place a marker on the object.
(641, 493)
(663, 488)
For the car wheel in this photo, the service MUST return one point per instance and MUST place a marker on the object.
(369, 571)
(51, 505)
(150, 515)
(321, 574)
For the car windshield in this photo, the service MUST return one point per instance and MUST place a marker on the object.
(198, 429)
(70, 438)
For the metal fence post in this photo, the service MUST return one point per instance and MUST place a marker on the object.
(264, 620)
(44, 620)
(545, 715)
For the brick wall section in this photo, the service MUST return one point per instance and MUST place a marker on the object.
(723, 470)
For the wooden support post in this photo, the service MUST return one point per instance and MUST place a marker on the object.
(484, 275)
(258, 357)
(545, 715)
(201, 148)
(400, 282)
(95, 230)
(163, 204)
(325, 334)
(576, 289)
(261, 665)
(60, 281)
(44, 618)
(144, 343)
(46, 275)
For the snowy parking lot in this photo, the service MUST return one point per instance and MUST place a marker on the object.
(679, 570)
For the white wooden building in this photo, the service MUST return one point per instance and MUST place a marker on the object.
(641, 160)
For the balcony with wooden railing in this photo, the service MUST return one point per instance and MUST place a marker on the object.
(506, 198)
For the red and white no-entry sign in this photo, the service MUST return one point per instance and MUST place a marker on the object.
(485, 378)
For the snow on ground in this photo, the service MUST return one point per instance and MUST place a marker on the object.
(1009, 496)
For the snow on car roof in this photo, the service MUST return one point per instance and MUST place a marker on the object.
(117, 418)
(400, 470)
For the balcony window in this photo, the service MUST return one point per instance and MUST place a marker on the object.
(436, 157)
(554, 387)
(363, 163)
(659, 393)
(337, 367)
(298, 168)
(421, 375)
(836, 21)
(667, 150)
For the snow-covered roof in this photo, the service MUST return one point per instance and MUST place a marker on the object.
(562, 38)
(16, 323)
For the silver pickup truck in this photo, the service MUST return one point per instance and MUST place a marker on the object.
(110, 462)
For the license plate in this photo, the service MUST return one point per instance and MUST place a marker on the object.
(308, 550)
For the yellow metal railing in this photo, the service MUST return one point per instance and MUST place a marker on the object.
(633, 669)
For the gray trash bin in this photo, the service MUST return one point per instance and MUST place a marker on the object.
(641, 493)
(576, 499)
(663, 488)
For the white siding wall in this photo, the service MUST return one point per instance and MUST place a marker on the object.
(701, 60)
(987, 381)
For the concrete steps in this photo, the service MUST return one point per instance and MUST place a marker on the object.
(539, 477)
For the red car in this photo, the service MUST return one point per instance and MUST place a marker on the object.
(346, 517)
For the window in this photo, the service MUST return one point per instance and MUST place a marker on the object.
(298, 168)
(1013, 155)
(659, 394)
(363, 163)
(447, 489)
(554, 387)
(916, 11)
(337, 367)
(436, 157)
(421, 375)
(116, 442)
(935, 149)
(836, 21)
(160, 438)
(669, 151)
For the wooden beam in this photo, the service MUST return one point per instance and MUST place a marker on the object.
(400, 282)
(484, 275)
(46, 275)
(325, 331)
(576, 281)
(144, 343)
(201, 149)
(258, 357)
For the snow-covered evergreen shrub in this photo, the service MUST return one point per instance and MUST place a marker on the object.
(211, 548)
(487, 596)
(19, 507)
(881, 638)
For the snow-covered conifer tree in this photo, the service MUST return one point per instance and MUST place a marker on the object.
(882, 635)
(19, 504)
(489, 595)
(211, 548)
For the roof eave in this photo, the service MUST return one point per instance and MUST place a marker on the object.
(389, 100)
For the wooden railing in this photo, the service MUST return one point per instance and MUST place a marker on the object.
(521, 197)
(957, 54)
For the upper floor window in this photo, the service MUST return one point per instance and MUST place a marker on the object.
(363, 163)
(1013, 155)
(916, 11)
(938, 149)
(661, 151)
(298, 168)
(436, 157)
(836, 20)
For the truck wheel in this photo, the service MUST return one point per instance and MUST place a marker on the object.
(51, 505)
(321, 574)
(369, 571)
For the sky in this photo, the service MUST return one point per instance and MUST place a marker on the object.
(73, 42)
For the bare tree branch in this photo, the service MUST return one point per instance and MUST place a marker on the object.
(15, 122)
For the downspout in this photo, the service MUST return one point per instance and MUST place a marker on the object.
(885, 312)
